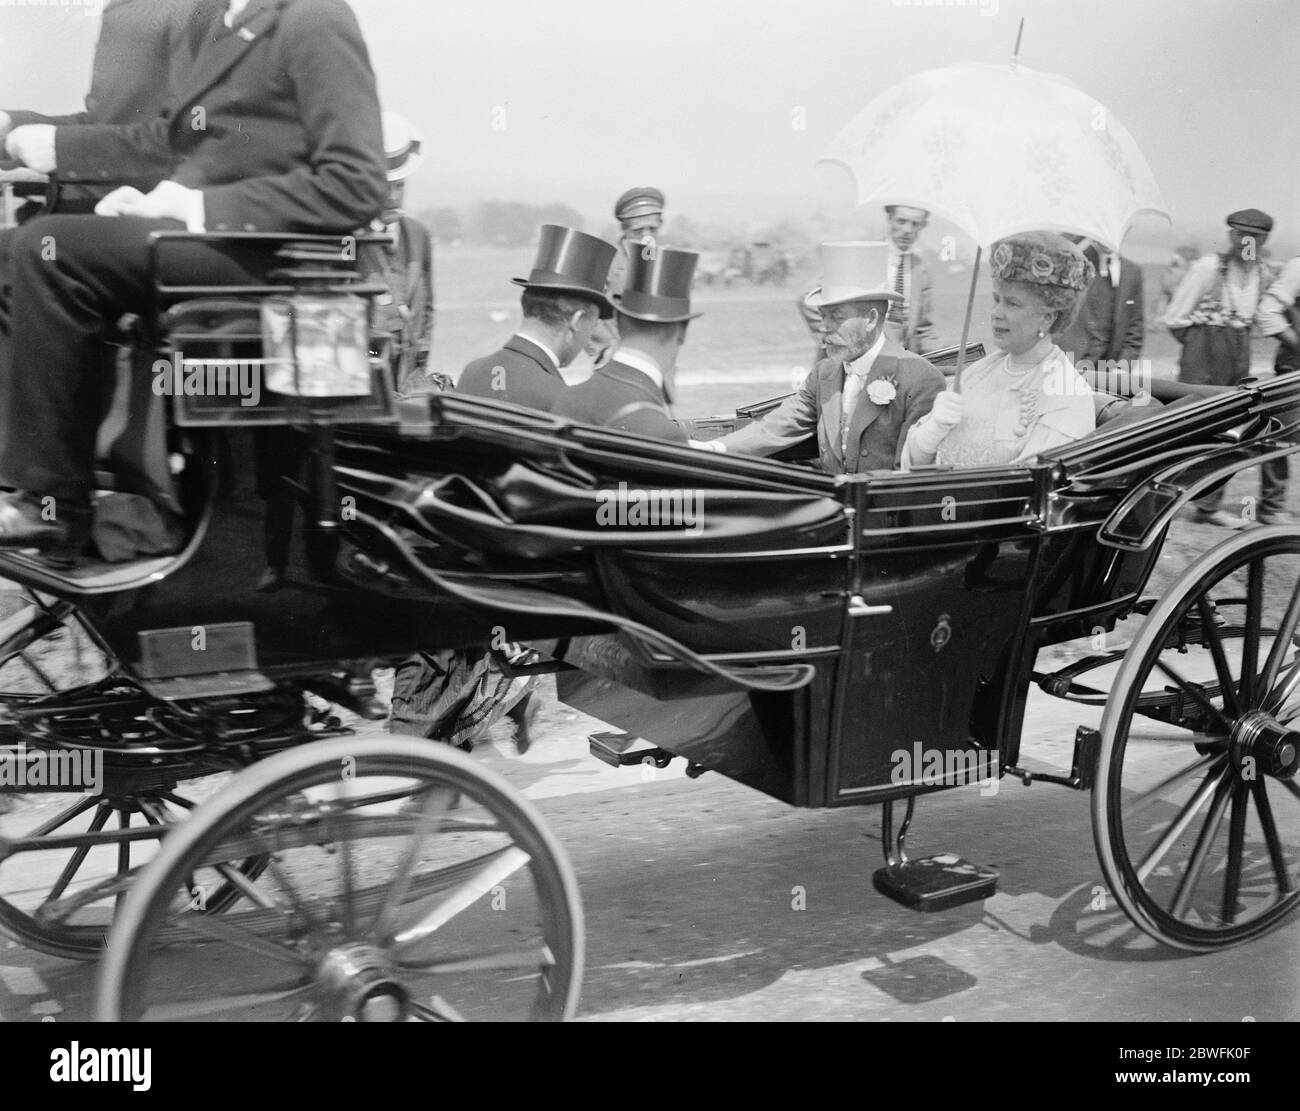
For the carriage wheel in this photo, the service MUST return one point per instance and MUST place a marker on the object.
(406, 883)
(66, 860)
(1197, 818)
(66, 856)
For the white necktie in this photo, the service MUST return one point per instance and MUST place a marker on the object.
(853, 386)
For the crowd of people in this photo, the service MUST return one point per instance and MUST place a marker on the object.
(167, 142)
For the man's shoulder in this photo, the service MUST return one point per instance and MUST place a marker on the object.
(918, 367)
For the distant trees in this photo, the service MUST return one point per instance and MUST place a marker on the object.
(512, 224)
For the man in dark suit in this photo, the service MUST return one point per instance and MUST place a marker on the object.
(90, 150)
(863, 398)
(563, 298)
(309, 160)
(633, 390)
(1110, 326)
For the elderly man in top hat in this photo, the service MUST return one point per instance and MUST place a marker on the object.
(864, 397)
(405, 266)
(563, 301)
(640, 215)
(1211, 316)
(633, 390)
(907, 275)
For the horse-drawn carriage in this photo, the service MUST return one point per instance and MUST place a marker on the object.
(789, 630)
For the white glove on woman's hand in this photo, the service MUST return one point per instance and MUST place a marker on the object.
(929, 432)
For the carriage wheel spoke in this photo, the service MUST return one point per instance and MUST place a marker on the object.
(435, 806)
(197, 1008)
(254, 894)
(1275, 854)
(500, 866)
(1281, 643)
(1204, 841)
(219, 929)
(1197, 695)
(438, 1010)
(1176, 829)
(62, 819)
(1250, 638)
(1236, 851)
(1292, 786)
(540, 957)
(1145, 799)
(348, 915)
(79, 854)
(296, 901)
(1226, 684)
(1286, 687)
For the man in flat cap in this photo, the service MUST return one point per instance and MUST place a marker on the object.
(633, 390)
(563, 301)
(864, 397)
(640, 215)
(1211, 316)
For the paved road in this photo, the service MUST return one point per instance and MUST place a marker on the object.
(705, 900)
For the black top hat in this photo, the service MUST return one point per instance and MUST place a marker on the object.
(571, 262)
(658, 287)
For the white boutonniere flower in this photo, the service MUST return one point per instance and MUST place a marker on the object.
(882, 391)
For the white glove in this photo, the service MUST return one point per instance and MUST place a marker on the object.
(33, 146)
(709, 445)
(6, 122)
(929, 432)
(167, 200)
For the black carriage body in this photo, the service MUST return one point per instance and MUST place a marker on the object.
(917, 602)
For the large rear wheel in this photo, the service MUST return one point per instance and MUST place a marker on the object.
(405, 883)
(1196, 809)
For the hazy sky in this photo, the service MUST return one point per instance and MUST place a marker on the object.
(574, 100)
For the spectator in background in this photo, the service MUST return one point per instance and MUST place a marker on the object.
(1170, 279)
(1211, 315)
(1110, 326)
(1279, 316)
(640, 216)
(907, 275)
(405, 267)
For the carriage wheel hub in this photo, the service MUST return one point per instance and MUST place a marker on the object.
(361, 984)
(1274, 747)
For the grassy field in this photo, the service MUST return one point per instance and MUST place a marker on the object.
(744, 348)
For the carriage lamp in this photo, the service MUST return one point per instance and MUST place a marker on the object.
(317, 345)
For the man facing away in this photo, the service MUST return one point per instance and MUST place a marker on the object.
(632, 392)
(904, 273)
(1211, 316)
(863, 398)
(310, 160)
(563, 301)
(457, 695)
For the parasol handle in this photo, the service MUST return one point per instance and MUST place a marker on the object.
(1015, 54)
(965, 328)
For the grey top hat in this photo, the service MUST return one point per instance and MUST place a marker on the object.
(571, 262)
(658, 287)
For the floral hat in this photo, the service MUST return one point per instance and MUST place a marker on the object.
(1041, 258)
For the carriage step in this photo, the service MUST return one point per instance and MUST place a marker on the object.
(936, 882)
(621, 750)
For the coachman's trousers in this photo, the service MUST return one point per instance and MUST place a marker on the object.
(69, 280)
